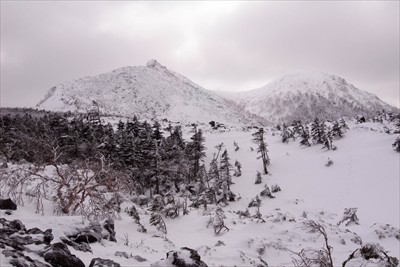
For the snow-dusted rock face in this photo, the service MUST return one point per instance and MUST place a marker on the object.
(306, 96)
(151, 91)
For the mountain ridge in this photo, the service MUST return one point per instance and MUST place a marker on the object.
(155, 92)
(306, 95)
(150, 92)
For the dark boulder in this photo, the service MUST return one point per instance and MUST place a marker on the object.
(98, 262)
(84, 247)
(186, 257)
(109, 227)
(17, 225)
(58, 255)
(7, 204)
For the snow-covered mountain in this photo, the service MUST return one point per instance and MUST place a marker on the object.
(151, 91)
(306, 96)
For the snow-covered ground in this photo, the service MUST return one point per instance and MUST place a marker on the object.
(365, 174)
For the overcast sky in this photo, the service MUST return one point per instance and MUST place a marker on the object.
(219, 45)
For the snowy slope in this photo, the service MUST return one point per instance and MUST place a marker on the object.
(306, 96)
(149, 92)
(365, 174)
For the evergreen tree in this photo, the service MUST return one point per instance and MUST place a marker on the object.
(157, 220)
(218, 220)
(297, 127)
(238, 171)
(327, 140)
(225, 169)
(305, 136)
(196, 150)
(343, 125)
(262, 148)
(286, 133)
(318, 131)
(337, 130)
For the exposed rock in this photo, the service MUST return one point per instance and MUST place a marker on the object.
(139, 258)
(17, 225)
(89, 234)
(84, 247)
(109, 226)
(98, 262)
(7, 204)
(58, 255)
(122, 254)
(94, 233)
(18, 259)
(186, 257)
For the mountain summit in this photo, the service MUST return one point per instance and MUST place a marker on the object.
(150, 92)
(305, 95)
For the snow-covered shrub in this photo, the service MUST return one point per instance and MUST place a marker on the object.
(350, 216)
(396, 144)
(243, 214)
(218, 220)
(329, 162)
(373, 253)
(255, 202)
(236, 146)
(157, 220)
(275, 188)
(258, 178)
(314, 257)
(266, 192)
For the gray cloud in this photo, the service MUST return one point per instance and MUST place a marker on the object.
(219, 45)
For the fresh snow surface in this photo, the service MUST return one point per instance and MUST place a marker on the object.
(306, 95)
(365, 175)
(150, 92)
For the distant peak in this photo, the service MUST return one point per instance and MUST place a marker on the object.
(152, 63)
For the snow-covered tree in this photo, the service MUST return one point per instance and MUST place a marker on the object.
(262, 148)
(318, 131)
(337, 130)
(286, 133)
(327, 140)
(157, 220)
(305, 136)
(218, 220)
(238, 171)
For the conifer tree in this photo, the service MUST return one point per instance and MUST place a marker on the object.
(238, 171)
(286, 133)
(317, 131)
(225, 169)
(343, 125)
(337, 130)
(157, 220)
(262, 148)
(196, 150)
(305, 136)
(218, 220)
(327, 140)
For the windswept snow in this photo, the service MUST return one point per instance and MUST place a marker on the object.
(365, 175)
